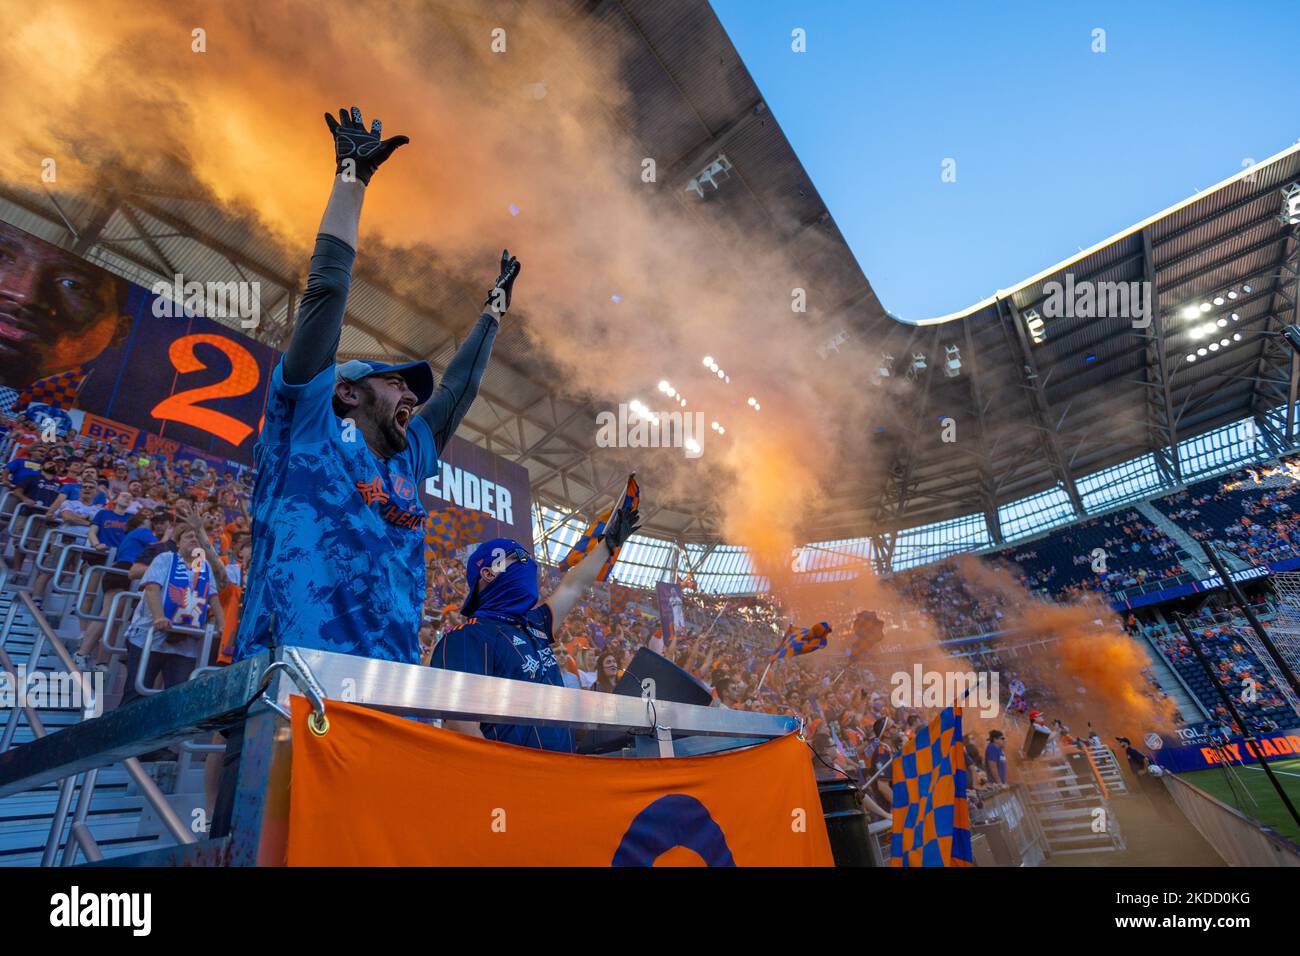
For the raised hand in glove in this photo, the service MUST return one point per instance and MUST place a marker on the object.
(357, 152)
(498, 299)
(622, 525)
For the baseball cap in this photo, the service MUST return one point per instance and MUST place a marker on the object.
(417, 375)
(480, 559)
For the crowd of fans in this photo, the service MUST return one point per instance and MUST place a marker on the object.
(1248, 512)
(944, 596)
(1235, 666)
(134, 507)
(130, 509)
(1107, 553)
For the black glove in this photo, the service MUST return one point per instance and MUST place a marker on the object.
(366, 150)
(498, 299)
(622, 524)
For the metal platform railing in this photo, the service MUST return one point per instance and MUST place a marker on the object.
(256, 691)
(84, 787)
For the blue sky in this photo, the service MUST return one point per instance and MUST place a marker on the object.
(1056, 147)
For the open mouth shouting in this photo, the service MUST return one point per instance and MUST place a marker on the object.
(402, 416)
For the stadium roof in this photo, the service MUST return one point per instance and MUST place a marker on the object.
(1031, 418)
(1052, 388)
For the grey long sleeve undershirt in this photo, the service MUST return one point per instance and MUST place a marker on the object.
(319, 324)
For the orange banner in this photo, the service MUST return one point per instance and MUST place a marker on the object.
(377, 790)
(105, 429)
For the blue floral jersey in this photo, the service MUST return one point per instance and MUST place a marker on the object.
(338, 534)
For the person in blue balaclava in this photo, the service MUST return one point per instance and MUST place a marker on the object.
(508, 632)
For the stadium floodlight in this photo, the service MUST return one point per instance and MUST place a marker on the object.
(1236, 336)
(663, 386)
(1214, 346)
(918, 361)
(1235, 316)
(952, 365)
(708, 361)
(1191, 357)
(1197, 332)
(1292, 335)
(721, 374)
(1218, 300)
(1291, 204)
(1224, 342)
(714, 174)
(1205, 307)
(886, 368)
(1246, 289)
(1191, 312)
(1221, 323)
(1232, 293)
(1037, 327)
(1201, 352)
(750, 401)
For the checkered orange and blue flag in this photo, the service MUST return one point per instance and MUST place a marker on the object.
(802, 640)
(59, 390)
(931, 815)
(591, 537)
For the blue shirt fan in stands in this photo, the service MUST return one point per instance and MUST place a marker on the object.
(346, 529)
(110, 527)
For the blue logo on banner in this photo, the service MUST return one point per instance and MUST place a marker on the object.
(673, 821)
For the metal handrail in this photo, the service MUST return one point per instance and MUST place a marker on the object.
(148, 788)
(59, 569)
(112, 619)
(57, 529)
(85, 586)
(34, 522)
(138, 677)
(13, 515)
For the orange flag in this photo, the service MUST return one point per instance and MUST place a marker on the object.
(377, 790)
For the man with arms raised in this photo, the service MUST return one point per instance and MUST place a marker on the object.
(338, 529)
(337, 525)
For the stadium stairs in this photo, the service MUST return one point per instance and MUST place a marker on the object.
(1066, 797)
(1184, 698)
(1191, 557)
(119, 818)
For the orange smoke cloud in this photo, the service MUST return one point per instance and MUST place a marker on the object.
(1087, 662)
(526, 147)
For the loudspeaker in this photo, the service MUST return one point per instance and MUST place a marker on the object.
(1035, 741)
(670, 683)
(846, 823)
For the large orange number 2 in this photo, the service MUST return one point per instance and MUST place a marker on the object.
(183, 406)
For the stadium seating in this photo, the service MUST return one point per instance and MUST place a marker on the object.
(1062, 563)
(1233, 661)
(1249, 512)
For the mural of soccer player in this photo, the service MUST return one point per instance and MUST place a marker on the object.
(57, 313)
